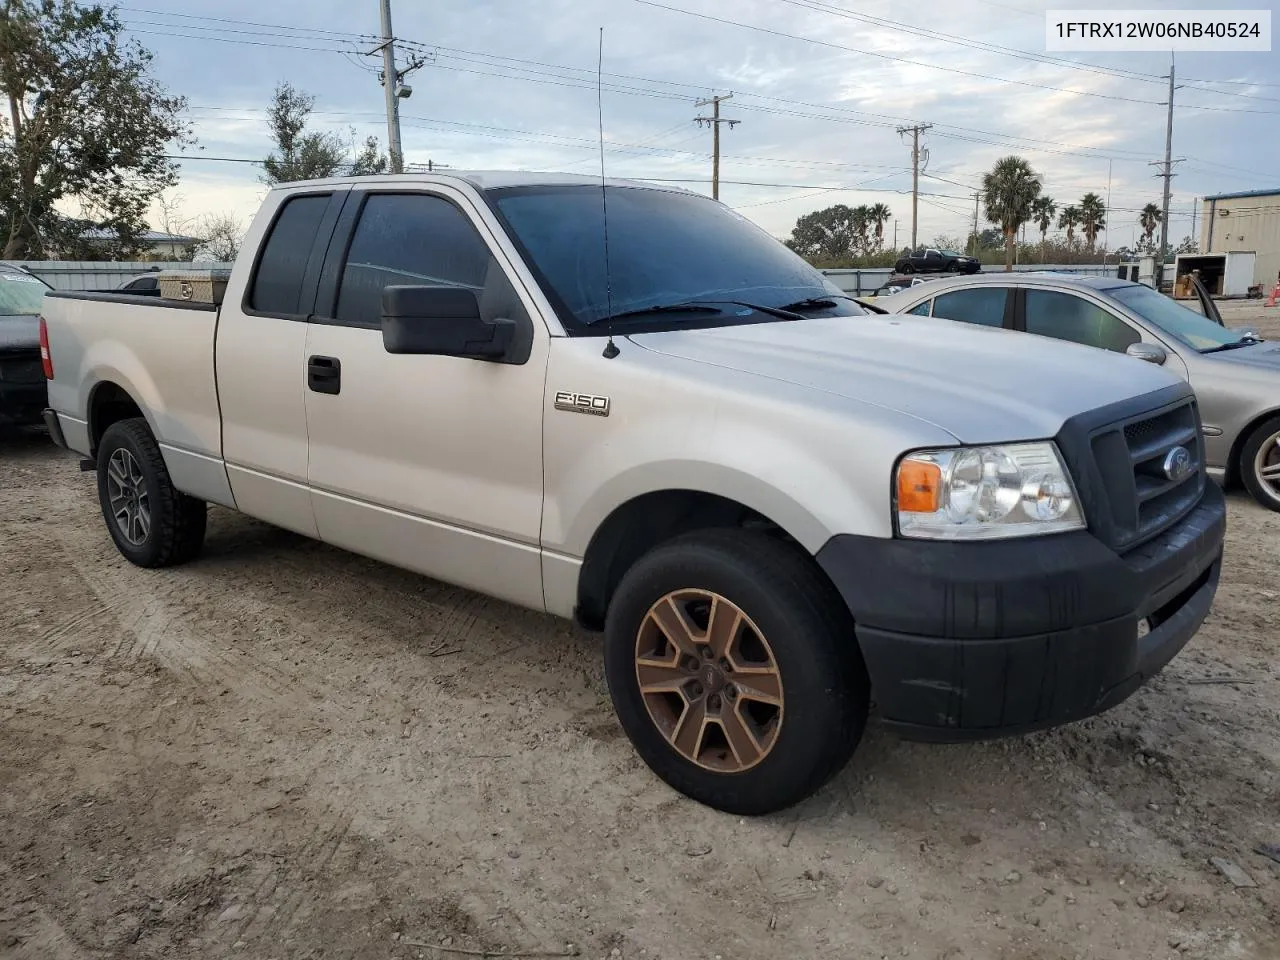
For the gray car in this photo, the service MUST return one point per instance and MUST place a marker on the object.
(1235, 373)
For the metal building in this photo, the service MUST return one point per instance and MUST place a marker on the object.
(1247, 221)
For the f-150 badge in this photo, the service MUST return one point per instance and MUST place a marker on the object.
(571, 402)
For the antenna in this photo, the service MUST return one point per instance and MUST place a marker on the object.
(610, 348)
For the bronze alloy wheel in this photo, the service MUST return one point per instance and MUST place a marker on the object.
(709, 681)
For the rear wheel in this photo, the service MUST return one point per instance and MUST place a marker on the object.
(1260, 463)
(734, 670)
(151, 522)
(906, 268)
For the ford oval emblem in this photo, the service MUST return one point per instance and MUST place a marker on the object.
(1177, 464)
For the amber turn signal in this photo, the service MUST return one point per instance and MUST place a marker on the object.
(919, 486)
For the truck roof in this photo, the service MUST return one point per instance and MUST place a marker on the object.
(486, 180)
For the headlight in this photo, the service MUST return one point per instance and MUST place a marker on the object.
(986, 493)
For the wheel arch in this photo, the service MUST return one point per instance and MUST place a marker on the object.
(108, 403)
(1233, 475)
(645, 521)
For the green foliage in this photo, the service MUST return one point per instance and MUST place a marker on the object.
(1093, 217)
(1068, 220)
(1150, 218)
(86, 124)
(840, 235)
(1008, 191)
(303, 154)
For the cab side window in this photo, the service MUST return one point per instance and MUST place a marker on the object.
(922, 310)
(418, 239)
(1065, 316)
(277, 283)
(984, 306)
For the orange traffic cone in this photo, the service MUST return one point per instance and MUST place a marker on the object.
(1274, 299)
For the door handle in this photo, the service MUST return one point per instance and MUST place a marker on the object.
(324, 374)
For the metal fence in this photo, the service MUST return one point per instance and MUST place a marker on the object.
(98, 275)
(93, 275)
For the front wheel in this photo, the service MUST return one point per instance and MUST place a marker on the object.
(734, 670)
(953, 267)
(1260, 463)
(151, 522)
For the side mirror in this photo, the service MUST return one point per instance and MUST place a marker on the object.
(1247, 331)
(443, 321)
(1148, 352)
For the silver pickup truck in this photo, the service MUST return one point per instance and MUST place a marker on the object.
(776, 506)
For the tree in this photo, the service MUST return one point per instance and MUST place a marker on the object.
(825, 235)
(1068, 220)
(1188, 245)
(861, 216)
(1042, 212)
(220, 237)
(879, 214)
(301, 154)
(86, 124)
(1008, 190)
(1093, 217)
(1150, 218)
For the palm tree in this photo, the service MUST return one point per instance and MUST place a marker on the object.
(1042, 211)
(879, 214)
(1068, 220)
(861, 221)
(1093, 217)
(1008, 191)
(1150, 218)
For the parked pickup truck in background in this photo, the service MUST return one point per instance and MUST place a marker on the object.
(771, 502)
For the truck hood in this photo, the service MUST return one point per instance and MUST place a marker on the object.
(981, 385)
(19, 333)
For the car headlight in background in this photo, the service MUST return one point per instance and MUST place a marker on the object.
(986, 493)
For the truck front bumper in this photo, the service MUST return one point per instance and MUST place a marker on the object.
(968, 641)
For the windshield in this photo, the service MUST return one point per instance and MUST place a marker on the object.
(951, 253)
(20, 295)
(666, 249)
(1186, 326)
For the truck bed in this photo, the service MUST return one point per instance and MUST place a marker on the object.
(161, 352)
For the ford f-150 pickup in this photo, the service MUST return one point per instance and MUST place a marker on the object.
(776, 506)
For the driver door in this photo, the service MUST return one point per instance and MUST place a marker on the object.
(432, 463)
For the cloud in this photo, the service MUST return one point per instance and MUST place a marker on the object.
(512, 86)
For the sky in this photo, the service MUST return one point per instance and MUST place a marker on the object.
(820, 88)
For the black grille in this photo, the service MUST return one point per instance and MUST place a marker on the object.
(1132, 457)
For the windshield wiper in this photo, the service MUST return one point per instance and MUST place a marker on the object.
(703, 306)
(1235, 345)
(827, 301)
(662, 308)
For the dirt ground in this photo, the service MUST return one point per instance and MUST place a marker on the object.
(285, 751)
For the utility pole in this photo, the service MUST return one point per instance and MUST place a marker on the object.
(390, 85)
(714, 122)
(1195, 203)
(1107, 227)
(393, 85)
(915, 132)
(1168, 180)
(977, 194)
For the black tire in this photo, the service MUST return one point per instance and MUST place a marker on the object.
(906, 269)
(825, 689)
(953, 267)
(175, 531)
(1266, 494)
(973, 268)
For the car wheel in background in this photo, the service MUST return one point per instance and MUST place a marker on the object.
(734, 671)
(1260, 463)
(906, 269)
(953, 267)
(151, 522)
